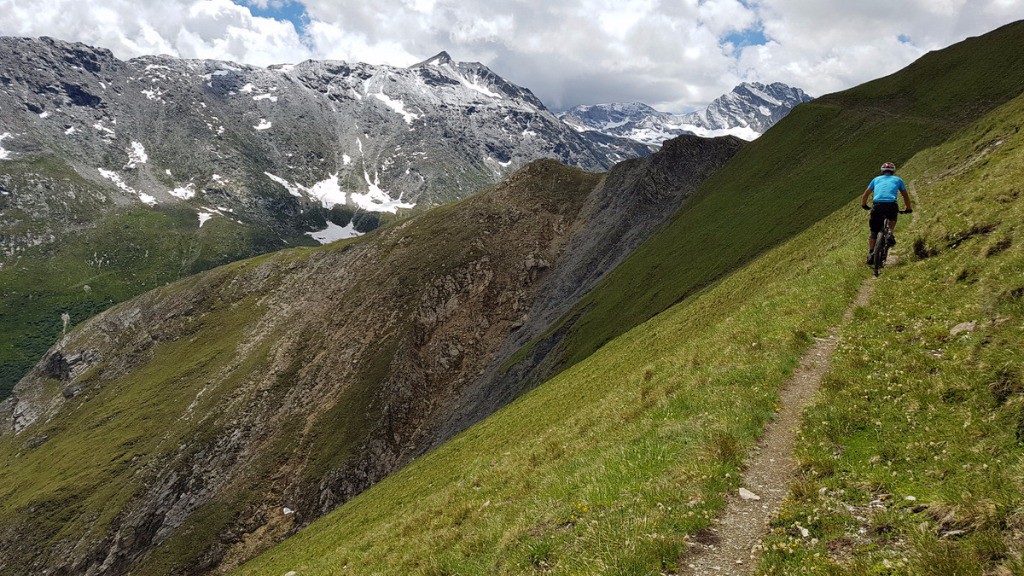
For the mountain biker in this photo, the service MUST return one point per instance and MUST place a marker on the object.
(884, 203)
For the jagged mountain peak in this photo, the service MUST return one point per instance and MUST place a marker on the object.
(439, 59)
(374, 127)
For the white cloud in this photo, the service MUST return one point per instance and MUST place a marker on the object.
(217, 29)
(668, 53)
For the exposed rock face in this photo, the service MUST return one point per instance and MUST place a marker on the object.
(636, 198)
(299, 379)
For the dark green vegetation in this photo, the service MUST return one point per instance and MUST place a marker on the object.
(100, 254)
(912, 462)
(811, 163)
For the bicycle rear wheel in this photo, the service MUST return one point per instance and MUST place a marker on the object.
(878, 254)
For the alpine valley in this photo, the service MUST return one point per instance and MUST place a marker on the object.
(559, 373)
(119, 176)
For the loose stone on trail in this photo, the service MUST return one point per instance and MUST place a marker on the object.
(748, 495)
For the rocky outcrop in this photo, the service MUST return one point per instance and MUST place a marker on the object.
(635, 199)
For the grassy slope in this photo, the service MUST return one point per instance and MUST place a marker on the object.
(74, 483)
(128, 251)
(813, 162)
(609, 466)
(911, 410)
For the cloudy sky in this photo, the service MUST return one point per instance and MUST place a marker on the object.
(676, 55)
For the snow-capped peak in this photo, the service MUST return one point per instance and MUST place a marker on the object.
(439, 59)
(747, 111)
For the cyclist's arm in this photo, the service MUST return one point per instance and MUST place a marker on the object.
(906, 199)
(864, 198)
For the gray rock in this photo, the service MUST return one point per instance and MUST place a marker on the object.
(963, 327)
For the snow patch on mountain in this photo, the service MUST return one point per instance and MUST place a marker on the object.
(377, 200)
(136, 155)
(116, 179)
(333, 233)
(397, 105)
(186, 192)
(328, 192)
(293, 189)
(4, 154)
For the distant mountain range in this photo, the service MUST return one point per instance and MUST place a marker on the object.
(161, 130)
(119, 176)
(747, 112)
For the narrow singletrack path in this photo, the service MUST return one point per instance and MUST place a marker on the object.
(729, 546)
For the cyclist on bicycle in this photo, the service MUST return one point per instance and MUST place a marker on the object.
(884, 203)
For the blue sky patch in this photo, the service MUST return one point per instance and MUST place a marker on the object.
(903, 38)
(749, 37)
(281, 10)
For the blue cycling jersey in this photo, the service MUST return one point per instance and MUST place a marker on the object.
(886, 186)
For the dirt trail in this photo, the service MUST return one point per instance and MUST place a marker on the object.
(728, 547)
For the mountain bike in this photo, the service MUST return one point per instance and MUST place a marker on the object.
(883, 241)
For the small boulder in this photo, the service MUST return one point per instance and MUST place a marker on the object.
(748, 495)
(963, 327)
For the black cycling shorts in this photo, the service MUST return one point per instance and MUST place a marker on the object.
(880, 211)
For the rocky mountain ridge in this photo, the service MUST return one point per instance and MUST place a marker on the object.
(746, 112)
(379, 138)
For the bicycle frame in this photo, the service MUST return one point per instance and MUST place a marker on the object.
(881, 250)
